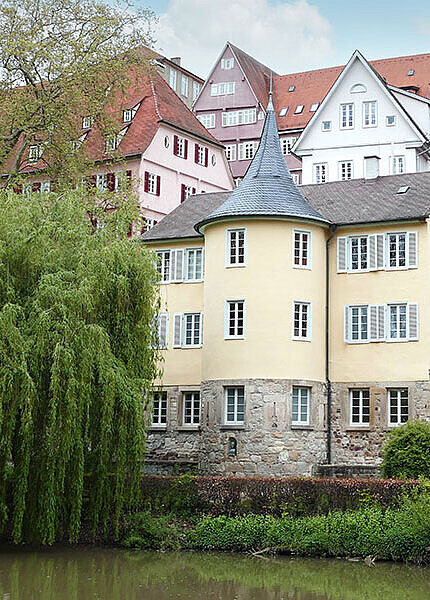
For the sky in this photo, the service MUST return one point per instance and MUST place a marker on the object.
(289, 35)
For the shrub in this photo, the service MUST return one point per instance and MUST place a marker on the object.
(146, 531)
(406, 452)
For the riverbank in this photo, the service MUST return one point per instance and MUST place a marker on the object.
(372, 532)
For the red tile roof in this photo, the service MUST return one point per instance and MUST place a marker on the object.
(257, 74)
(313, 86)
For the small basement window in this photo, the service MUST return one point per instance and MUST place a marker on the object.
(299, 109)
(403, 189)
(283, 111)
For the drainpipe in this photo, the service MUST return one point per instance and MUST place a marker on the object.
(327, 340)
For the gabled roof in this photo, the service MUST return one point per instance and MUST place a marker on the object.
(267, 188)
(352, 202)
(313, 86)
(257, 74)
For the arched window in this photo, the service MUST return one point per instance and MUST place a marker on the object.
(358, 88)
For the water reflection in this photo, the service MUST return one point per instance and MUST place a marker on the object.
(110, 574)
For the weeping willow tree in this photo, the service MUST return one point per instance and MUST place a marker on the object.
(76, 364)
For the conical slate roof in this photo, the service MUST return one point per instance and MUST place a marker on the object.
(267, 188)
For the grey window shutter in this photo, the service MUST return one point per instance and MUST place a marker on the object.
(381, 322)
(177, 330)
(346, 324)
(176, 262)
(341, 254)
(373, 308)
(380, 251)
(163, 328)
(413, 320)
(201, 329)
(372, 252)
(413, 249)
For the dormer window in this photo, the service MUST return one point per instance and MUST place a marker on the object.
(283, 111)
(299, 109)
(127, 116)
(291, 88)
(34, 154)
(114, 140)
(314, 107)
(86, 123)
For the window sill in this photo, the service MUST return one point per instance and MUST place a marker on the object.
(185, 428)
(301, 339)
(362, 428)
(232, 427)
(235, 266)
(302, 427)
(238, 337)
(155, 428)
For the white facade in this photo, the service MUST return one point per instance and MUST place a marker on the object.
(363, 117)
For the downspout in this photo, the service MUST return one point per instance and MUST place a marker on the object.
(327, 341)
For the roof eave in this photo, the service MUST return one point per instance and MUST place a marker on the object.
(197, 135)
(265, 216)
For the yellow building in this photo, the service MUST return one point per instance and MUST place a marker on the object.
(294, 323)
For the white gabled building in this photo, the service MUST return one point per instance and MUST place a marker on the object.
(365, 128)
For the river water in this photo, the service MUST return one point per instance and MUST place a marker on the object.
(111, 574)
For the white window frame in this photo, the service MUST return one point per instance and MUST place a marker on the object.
(127, 115)
(283, 111)
(184, 85)
(395, 395)
(369, 115)
(207, 120)
(299, 109)
(193, 251)
(378, 326)
(320, 173)
(396, 161)
(45, 187)
(164, 265)
(247, 150)
(34, 153)
(314, 106)
(181, 146)
(227, 334)
(303, 398)
(362, 392)
(188, 191)
(286, 144)
(230, 233)
(323, 128)
(343, 166)
(397, 306)
(348, 108)
(296, 178)
(201, 155)
(196, 90)
(360, 269)
(390, 117)
(152, 183)
(86, 122)
(193, 398)
(102, 182)
(161, 421)
(363, 315)
(397, 235)
(223, 88)
(196, 317)
(236, 412)
(231, 152)
(300, 305)
(231, 118)
(302, 234)
(227, 64)
(173, 78)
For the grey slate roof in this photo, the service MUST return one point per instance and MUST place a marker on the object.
(267, 188)
(340, 202)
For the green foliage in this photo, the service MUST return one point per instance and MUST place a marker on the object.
(151, 532)
(76, 308)
(406, 452)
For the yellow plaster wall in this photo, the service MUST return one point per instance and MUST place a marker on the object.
(381, 361)
(269, 284)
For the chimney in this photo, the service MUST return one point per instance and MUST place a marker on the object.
(176, 60)
(371, 167)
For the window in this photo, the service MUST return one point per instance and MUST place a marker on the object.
(184, 85)
(287, 143)
(235, 319)
(161, 330)
(358, 252)
(390, 120)
(326, 125)
(173, 78)
(369, 114)
(358, 88)
(396, 322)
(239, 117)
(283, 111)
(45, 187)
(397, 316)
(227, 63)
(230, 152)
(201, 154)
(194, 264)
(34, 154)
(236, 247)
(163, 264)
(113, 141)
(358, 323)
(345, 170)
(411, 72)
(207, 120)
(320, 173)
(291, 88)
(223, 89)
(180, 146)
(398, 406)
(159, 409)
(127, 116)
(397, 250)
(192, 329)
(302, 321)
(187, 191)
(314, 107)
(302, 248)
(86, 122)
(260, 115)
(102, 182)
(300, 406)
(191, 408)
(299, 109)
(234, 405)
(360, 407)
(196, 90)
(393, 250)
(346, 116)
(247, 150)
(296, 178)
(152, 183)
(148, 224)
(398, 165)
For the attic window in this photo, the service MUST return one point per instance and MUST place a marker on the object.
(86, 123)
(411, 72)
(314, 106)
(127, 116)
(291, 88)
(358, 88)
(283, 111)
(299, 109)
(403, 189)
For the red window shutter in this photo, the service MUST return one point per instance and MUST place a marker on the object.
(128, 174)
(36, 186)
(111, 182)
(182, 192)
(185, 148)
(158, 184)
(206, 157)
(18, 189)
(146, 184)
(175, 145)
(196, 153)
(193, 191)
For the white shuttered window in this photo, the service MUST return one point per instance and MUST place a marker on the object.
(378, 251)
(393, 322)
(187, 330)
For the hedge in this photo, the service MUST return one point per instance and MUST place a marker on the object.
(234, 496)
